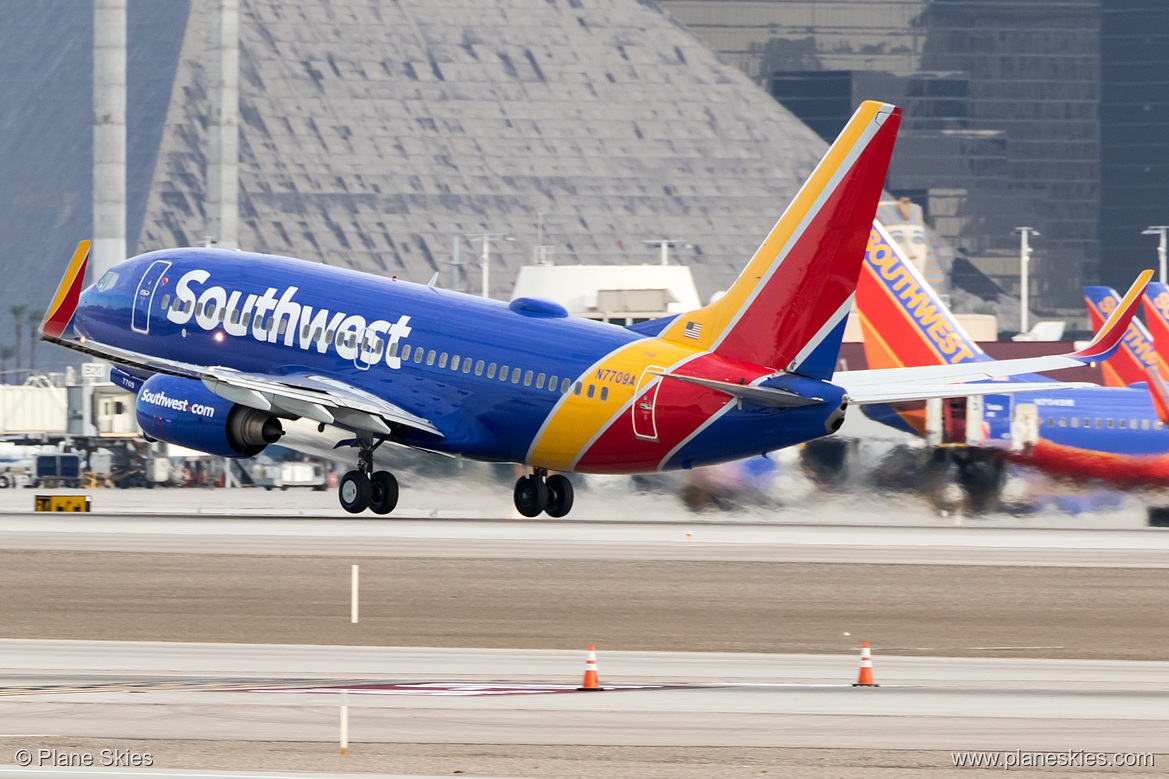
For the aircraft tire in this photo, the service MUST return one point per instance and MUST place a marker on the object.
(4, 481)
(353, 492)
(383, 493)
(531, 496)
(559, 496)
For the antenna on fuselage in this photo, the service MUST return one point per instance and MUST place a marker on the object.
(433, 281)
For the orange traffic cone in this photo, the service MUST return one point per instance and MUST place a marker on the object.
(590, 678)
(866, 675)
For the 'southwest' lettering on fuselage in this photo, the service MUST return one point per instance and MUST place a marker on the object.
(306, 327)
(916, 302)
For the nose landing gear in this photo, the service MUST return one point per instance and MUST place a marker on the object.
(365, 488)
(540, 492)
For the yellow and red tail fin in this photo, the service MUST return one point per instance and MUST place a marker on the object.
(787, 309)
(1157, 314)
(1137, 350)
(60, 311)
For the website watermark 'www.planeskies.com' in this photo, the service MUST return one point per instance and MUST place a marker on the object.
(1070, 758)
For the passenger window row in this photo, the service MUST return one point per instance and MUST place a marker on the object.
(480, 367)
(504, 372)
(1101, 422)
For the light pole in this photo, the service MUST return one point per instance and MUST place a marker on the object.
(1163, 247)
(1024, 274)
(456, 266)
(665, 244)
(485, 258)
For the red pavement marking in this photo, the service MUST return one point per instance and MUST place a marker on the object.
(431, 688)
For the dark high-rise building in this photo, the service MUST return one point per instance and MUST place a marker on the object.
(1002, 110)
(1134, 134)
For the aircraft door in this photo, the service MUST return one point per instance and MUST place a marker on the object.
(1024, 425)
(977, 431)
(144, 296)
(645, 404)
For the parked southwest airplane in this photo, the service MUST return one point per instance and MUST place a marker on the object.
(1116, 434)
(221, 346)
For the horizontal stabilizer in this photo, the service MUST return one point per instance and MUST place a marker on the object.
(760, 396)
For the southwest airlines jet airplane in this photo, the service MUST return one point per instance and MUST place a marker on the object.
(221, 346)
(1116, 434)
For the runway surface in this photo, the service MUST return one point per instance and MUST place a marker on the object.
(169, 632)
(175, 773)
(179, 773)
(570, 539)
(709, 700)
(684, 605)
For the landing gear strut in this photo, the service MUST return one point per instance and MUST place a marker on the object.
(365, 488)
(540, 492)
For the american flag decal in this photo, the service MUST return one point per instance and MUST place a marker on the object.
(693, 330)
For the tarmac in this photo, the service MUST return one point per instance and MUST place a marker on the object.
(222, 643)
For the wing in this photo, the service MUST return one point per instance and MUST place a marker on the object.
(905, 384)
(315, 397)
(901, 394)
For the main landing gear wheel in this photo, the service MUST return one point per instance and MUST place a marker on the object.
(559, 495)
(540, 492)
(364, 488)
(531, 495)
(354, 492)
(383, 495)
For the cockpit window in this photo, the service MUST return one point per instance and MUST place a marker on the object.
(107, 281)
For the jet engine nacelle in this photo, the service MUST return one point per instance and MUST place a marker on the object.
(184, 412)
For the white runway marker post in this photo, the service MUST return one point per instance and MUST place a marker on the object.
(345, 715)
(353, 598)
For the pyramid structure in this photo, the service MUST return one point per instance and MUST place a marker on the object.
(373, 132)
(46, 142)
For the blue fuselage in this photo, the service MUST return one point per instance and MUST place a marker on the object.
(279, 316)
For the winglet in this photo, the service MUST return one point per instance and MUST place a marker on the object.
(60, 311)
(1137, 350)
(1159, 393)
(1109, 336)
